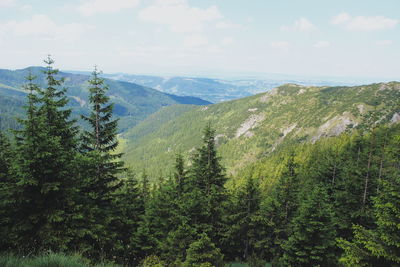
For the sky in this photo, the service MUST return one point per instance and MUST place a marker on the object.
(344, 38)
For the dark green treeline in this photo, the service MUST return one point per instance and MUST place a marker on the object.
(335, 202)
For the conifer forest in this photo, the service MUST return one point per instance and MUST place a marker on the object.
(68, 199)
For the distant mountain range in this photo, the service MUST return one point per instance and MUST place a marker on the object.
(250, 128)
(133, 102)
(213, 89)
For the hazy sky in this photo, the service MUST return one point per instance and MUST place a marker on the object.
(302, 37)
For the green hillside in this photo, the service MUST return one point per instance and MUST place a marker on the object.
(250, 128)
(132, 102)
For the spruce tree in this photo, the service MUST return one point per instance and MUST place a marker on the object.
(45, 167)
(241, 228)
(380, 245)
(102, 137)
(6, 190)
(206, 191)
(102, 168)
(180, 174)
(278, 209)
(127, 214)
(180, 234)
(312, 240)
(203, 252)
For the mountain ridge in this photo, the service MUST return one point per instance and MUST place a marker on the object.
(255, 126)
(132, 102)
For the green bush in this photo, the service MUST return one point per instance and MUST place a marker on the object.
(152, 261)
(203, 252)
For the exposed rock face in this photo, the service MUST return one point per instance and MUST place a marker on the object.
(249, 124)
(395, 118)
(218, 138)
(301, 91)
(361, 108)
(288, 129)
(334, 126)
(284, 132)
(265, 97)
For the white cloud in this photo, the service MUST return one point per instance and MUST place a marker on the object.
(43, 27)
(92, 7)
(179, 16)
(364, 23)
(142, 50)
(301, 25)
(195, 40)
(340, 18)
(384, 42)
(7, 3)
(322, 44)
(227, 25)
(227, 41)
(26, 7)
(371, 23)
(280, 44)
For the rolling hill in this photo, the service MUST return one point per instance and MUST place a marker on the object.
(250, 128)
(133, 102)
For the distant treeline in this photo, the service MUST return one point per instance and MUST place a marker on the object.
(63, 189)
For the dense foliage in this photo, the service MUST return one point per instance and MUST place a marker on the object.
(66, 190)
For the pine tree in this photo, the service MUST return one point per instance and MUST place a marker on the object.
(145, 185)
(278, 209)
(127, 214)
(6, 190)
(181, 233)
(206, 191)
(380, 245)
(155, 222)
(312, 241)
(101, 139)
(241, 225)
(203, 252)
(45, 169)
(180, 174)
(102, 168)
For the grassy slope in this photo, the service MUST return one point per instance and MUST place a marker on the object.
(288, 114)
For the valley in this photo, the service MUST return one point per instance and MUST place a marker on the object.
(132, 102)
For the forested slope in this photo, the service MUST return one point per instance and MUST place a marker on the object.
(250, 128)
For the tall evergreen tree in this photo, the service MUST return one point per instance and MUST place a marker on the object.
(278, 209)
(380, 245)
(101, 138)
(102, 168)
(6, 190)
(127, 215)
(203, 253)
(45, 167)
(180, 174)
(206, 187)
(241, 225)
(312, 240)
